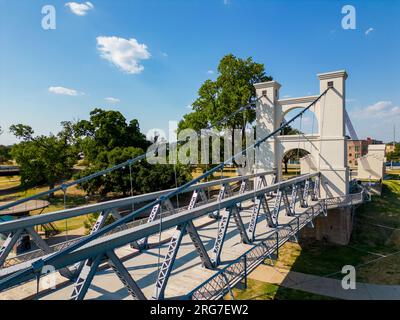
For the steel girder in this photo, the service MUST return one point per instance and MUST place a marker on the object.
(11, 226)
(316, 191)
(201, 250)
(100, 222)
(286, 204)
(167, 265)
(9, 243)
(13, 238)
(306, 192)
(293, 199)
(262, 182)
(254, 219)
(222, 229)
(125, 277)
(85, 277)
(221, 195)
(90, 268)
(173, 248)
(142, 244)
(219, 241)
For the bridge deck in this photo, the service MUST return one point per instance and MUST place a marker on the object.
(187, 273)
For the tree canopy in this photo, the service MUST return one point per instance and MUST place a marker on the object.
(106, 130)
(394, 155)
(107, 139)
(42, 159)
(219, 98)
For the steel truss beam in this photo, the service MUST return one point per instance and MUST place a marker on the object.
(306, 192)
(100, 222)
(293, 199)
(85, 277)
(242, 189)
(13, 238)
(173, 248)
(262, 182)
(277, 209)
(221, 195)
(201, 250)
(8, 244)
(203, 195)
(90, 268)
(125, 277)
(142, 244)
(166, 267)
(316, 194)
(193, 200)
(243, 186)
(239, 223)
(273, 180)
(223, 227)
(37, 220)
(286, 204)
(254, 218)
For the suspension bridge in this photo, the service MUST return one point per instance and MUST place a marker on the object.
(200, 248)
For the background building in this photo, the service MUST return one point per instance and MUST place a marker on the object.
(373, 141)
(356, 149)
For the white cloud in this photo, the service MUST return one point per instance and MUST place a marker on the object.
(63, 91)
(369, 31)
(112, 100)
(376, 120)
(80, 9)
(164, 54)
(123, 53)
(377, 111)
(210, 72)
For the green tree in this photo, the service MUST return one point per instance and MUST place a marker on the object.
(106, 130)
(42, 159)
(233, 88)
(22, 131)
(394, 155)
(116, 181)
(107, 139)
(5, 154)
(294, 154)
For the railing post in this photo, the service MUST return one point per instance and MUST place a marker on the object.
(298, 224)
(245, 270)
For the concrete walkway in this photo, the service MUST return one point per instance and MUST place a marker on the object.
(324, 286)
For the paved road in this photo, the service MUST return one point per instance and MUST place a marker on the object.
(324, 286)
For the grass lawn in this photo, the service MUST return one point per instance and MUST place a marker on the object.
(75, 197)
(376, 235)
(257, 290)
(9, 182)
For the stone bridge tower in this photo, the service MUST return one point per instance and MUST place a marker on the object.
(327, 148)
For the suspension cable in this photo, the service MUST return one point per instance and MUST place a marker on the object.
(38, 264)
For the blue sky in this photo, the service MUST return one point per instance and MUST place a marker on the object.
(152, 56)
